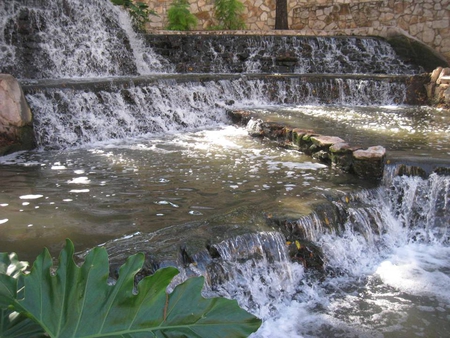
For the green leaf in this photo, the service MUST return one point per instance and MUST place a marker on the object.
(79, 302)
(11, 278)
(13, 324)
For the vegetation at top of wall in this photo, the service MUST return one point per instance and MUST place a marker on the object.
(179, 16)
(229, 14)
(139, 11)
(81, 301)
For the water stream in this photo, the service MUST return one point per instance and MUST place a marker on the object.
(133, 159)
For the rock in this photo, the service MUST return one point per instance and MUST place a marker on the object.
(405, 170)
(321, 155)
(306, 253)
(444, 76)
(341, 156)
(435, 74)
(340, 148)
(255, 127)
(325, 141)
(16, 121)
(370, 153)
(369, 163)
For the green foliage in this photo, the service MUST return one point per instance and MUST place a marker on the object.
(12, 323)
(229, 14)
(179, 16)
(77, 301)
(139, 12)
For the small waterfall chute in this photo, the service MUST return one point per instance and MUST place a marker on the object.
(62, 39)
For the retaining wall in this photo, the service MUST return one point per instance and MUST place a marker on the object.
(428, 21)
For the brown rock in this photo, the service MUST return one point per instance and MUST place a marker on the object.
(371, 153)
(326, 141)
(369, 163)
(16, 128)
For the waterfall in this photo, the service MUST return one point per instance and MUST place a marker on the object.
(283, 54)
(392, 240)
(384, 250)
(77, 38)
(72, 117)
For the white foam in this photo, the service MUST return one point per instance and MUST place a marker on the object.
(79, 180)
(418, 269)
(76, 191)
(30, 197)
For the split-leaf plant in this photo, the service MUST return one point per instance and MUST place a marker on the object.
(79, 301)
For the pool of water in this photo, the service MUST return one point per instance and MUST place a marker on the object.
(105, 191)
(94, 193)
(405, 131)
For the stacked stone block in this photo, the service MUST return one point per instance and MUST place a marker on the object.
(364, 163)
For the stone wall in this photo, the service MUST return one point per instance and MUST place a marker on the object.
(427, 21)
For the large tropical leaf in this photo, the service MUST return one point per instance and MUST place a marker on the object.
(79, 302)
(13, 324)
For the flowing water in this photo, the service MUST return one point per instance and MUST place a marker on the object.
(291, 54)
(76, 38)
(139, 164)
(387, 278)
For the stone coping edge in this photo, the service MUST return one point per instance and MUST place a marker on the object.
(69, 83)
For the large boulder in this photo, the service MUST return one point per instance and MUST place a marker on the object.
(16, 120)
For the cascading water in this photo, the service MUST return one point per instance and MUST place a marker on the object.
(77, 38)
(168, 106)
(387, 271)
(284, 54)
(122, 161)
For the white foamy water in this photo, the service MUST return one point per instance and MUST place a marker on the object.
(168, 106)
(308, 54)
(419, 269)
(385, 278)
(79, 180)
(77, 38)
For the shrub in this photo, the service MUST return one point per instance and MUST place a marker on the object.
(228, 13)
(179, 16)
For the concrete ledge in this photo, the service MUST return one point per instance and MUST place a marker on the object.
(415, 90)
(365, 163)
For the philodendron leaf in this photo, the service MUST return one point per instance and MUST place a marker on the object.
(78, 302)
(13, 324)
